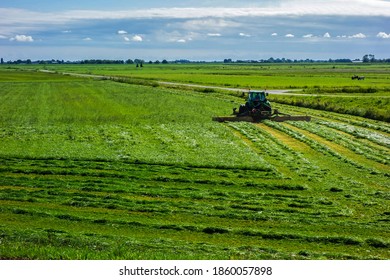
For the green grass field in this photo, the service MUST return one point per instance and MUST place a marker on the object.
(330, 84)
(279, 76)
(96, 169)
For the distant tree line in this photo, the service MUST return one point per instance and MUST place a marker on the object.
(136, 61)
(368, 58)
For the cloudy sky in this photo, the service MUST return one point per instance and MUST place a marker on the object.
(195, 30)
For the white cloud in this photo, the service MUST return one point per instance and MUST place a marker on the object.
(358, 36)
(361, 8)
(87, 39)
(383, 35)
(177, 37)
(22, 38)
(66, 31)
(244, 34)
(124, 36)
(161, 29)
(355, 36)
(327, 35)
(3, 37)
(214, 24)
(285, 8)
(137, 38)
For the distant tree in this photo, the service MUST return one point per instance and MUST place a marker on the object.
(2, 61)
(129, 61)
(164, 61)
(28, 61)
(157, 62)
(369, 58)
(227, 60)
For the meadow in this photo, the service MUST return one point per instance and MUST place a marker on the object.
(97, 169)
(263, 75)
(330, 84)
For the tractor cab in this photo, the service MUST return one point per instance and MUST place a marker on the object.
(256, 98)
(256, 105)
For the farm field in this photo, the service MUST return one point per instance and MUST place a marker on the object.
(330, 85)
(96, 169)
(318, 76)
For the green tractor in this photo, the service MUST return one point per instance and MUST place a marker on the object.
(258, 108)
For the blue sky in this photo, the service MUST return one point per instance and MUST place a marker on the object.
(196, 30)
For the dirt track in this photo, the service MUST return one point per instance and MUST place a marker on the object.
(274, 91)
(295, 92)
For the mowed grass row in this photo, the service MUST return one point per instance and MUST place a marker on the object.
(327, 166)
(123, 210)
(103, 170)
